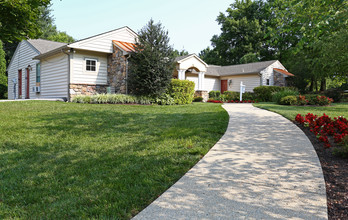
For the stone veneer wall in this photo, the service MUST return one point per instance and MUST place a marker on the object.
(85, 89)
(278, 79)
(117, 71)
(204, 94)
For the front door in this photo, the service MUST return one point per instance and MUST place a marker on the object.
(19, 84)
(223, 86)
(27, 84)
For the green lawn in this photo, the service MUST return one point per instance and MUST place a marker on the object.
(290, 112)
(65, 160)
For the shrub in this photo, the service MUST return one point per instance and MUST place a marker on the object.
(182, 91)
(249, 96)
(342, 149)
(301, 100)
(264, 93)
(165, 99)
(198, 99)
(112, 99)
(214, 94)
(277, 96)
(335, 94)
(318, 100)
(230, 95)
(288, 100)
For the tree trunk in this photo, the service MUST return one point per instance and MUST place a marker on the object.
(323, 85)
(311, 86)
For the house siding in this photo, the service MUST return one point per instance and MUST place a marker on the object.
(79, 75)
(211, 83)
(250, 82)
(102, 43)
(269, 74)
(21, 59)
(54, 77)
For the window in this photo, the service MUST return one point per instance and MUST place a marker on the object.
(38, 73)
(91, 65)
(267, 82)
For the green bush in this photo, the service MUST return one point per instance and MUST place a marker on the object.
(214, 94)
(165, 99)
(182, 91)
(313, 99)
(249, 96)
(336, 94)
(277, 96)
(342, 150)
(230, 95)
(198, 99)
(264, 93)
(112, 99)
(288, 100)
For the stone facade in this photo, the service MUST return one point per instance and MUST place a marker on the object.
(204, 94)
(85, 89)
(279, 79)
(117, 71)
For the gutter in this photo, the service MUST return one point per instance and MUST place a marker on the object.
(129, 56)
(63, 51)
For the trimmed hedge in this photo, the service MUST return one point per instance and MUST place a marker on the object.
(182, 91)
(288, 100)
(277, 96)
(265, 93)
(112, 99)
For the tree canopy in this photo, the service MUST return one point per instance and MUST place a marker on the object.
(152, 64)
(18, 19)
(308, 36)
(3, 78)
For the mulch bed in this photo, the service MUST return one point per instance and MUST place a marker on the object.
(335, 171)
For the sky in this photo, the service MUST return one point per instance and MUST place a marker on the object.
(190, 23)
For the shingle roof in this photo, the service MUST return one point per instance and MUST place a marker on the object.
(182, 57)
(44, 46)
(239, 69)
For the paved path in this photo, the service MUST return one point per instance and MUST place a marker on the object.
(264, 167)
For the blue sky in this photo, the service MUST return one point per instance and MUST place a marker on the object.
(190, 23)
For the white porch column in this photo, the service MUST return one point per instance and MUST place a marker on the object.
(200, 80)
(181, 74)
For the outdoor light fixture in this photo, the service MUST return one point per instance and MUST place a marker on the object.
(29, 68)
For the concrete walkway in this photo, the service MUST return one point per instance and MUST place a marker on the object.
(264, 167)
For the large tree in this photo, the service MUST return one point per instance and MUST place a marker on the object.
(3, 77)
(151, 65)
(243, 30)
(18, 19)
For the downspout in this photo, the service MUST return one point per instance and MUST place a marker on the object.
(68, 98)
(129, 55)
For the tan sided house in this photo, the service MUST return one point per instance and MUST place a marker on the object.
(99, 64)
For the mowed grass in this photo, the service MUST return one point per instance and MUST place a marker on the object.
(65, 160)
(290, 112)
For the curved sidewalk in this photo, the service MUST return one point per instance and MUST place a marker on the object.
(264, 167)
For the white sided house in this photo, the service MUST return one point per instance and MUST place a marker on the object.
(42, 69)
(46, 69)
(228, 78)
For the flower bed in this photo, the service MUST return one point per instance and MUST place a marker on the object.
(325, 127)
(232, 101)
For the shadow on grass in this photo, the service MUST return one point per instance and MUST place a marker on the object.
(100, 163)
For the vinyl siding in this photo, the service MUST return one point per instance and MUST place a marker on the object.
(54, 77)
(102, 43)
(79, 75)
(193, 79)
(250, 82)
(21, 59)
(210, 84)
(268, 73)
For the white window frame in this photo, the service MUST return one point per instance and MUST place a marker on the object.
(96, 64)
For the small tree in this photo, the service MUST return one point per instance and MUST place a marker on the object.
(151, 65)
(3, 78)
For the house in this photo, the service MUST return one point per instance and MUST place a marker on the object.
(99, 64)
(228, 78)
(46, 69)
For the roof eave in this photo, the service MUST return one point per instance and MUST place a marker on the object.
(51, 52)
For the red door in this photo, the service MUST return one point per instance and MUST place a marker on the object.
(223, 86)
(28, 84)
(19, 84)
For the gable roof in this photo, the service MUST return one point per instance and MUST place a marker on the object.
(43, 46)
(239, 69)
(186, 57)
